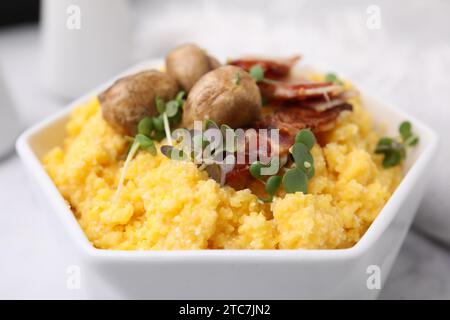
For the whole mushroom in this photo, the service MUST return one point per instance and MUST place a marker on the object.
(187, 63)
(132, 98)
(227, 95)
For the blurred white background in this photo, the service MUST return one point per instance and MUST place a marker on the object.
(405, 61)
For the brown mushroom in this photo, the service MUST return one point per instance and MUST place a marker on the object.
(227, 95)
(213, 63)
(187, 63)
(132, 98)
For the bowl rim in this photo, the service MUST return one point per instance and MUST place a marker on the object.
(66, 216)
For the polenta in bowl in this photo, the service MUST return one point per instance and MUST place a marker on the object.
(244, 155)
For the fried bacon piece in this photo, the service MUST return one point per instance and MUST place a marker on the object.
(273, 68)
(289, 120)
(287, 91)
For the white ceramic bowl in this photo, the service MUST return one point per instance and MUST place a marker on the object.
(245, 274)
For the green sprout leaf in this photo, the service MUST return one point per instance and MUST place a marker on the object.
(412, 141)
(302, 157)
(145, 143)
(405, 130)
(179, 98)
(255, 170)
(257, 73)
(160, 105)
(295, 180)
(306, 137)
(392, 158)
(384, 145)
(272, 185)
(145, 126)
(158, 124)
(172, 108)
(332, 77)
(394, 150)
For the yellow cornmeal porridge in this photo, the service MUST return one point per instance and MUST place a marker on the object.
(168, 204)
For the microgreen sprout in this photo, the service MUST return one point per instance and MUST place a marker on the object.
(272, 184)
(257, 73)
(169, 112)
(332, 77)
(394, 149)
(295, 178)
(140, 141)
(152, 128)
(216, 162)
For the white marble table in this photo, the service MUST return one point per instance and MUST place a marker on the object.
(33, 261)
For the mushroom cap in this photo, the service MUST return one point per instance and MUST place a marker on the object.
(218, 96)
(132, 98)
(187, 63)
(214, 63)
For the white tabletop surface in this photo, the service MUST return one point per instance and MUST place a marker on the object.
(410, 68)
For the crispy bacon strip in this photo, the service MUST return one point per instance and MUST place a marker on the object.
(289, 121)
(273, 68)
(287, 91)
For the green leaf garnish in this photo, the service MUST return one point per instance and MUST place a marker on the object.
(141, 141)
(172, 108)
(255, 170)
(145, 126)
(392, 158)
(160, 105)
(394, 150)
(295, 180)
(302, 157)
(332, 77)
(412, 141)
(158, 123)
(384, 145)
(272, 185)
(297, 177)
(306, 137)
(145, 143)
(405, 130)
(179, 98)
(257, 73)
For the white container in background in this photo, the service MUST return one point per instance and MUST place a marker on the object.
(9, 122)
(84, 43)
